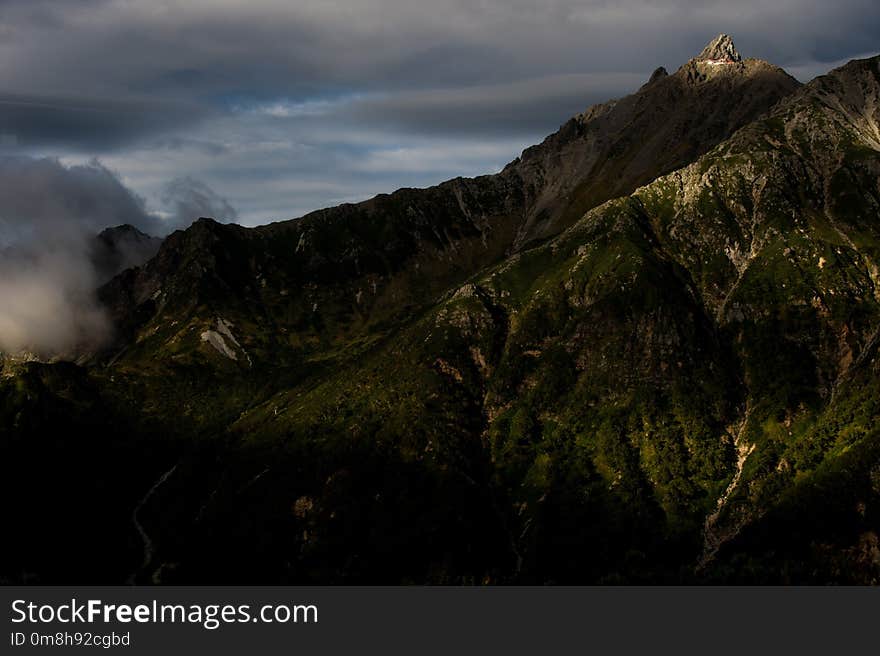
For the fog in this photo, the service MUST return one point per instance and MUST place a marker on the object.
(48, 305)
(50, 260)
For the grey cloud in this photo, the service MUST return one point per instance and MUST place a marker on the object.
(398, 76)
(522, 107)
(50, 215)
(200, 49)
(48, 304)
(36, 121)
(41, 199)
(188, 199)
(47, 214)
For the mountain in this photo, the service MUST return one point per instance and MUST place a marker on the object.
(646, 351)
(119, 248)
(369, 263)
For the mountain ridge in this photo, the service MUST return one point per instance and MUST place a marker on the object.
(401, 242)
(678, 385)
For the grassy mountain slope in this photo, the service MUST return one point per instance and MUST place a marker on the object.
(678, 384)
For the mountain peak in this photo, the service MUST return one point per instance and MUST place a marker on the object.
(119, 248)
(125, 230)
(658, 74)
(720, 51)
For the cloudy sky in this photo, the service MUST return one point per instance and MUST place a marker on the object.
(262, 110)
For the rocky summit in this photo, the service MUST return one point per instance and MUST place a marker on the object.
(720, 50)
(644, 352)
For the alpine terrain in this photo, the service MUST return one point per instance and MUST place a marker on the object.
(644, 352)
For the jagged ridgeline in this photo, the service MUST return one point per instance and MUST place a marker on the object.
(646, 351)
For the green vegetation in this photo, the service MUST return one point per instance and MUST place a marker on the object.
(438, 386)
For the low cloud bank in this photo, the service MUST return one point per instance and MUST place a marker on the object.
(48, 305)
(50, 216)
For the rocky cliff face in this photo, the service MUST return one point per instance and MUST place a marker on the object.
(645, 351)
(720, 50)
